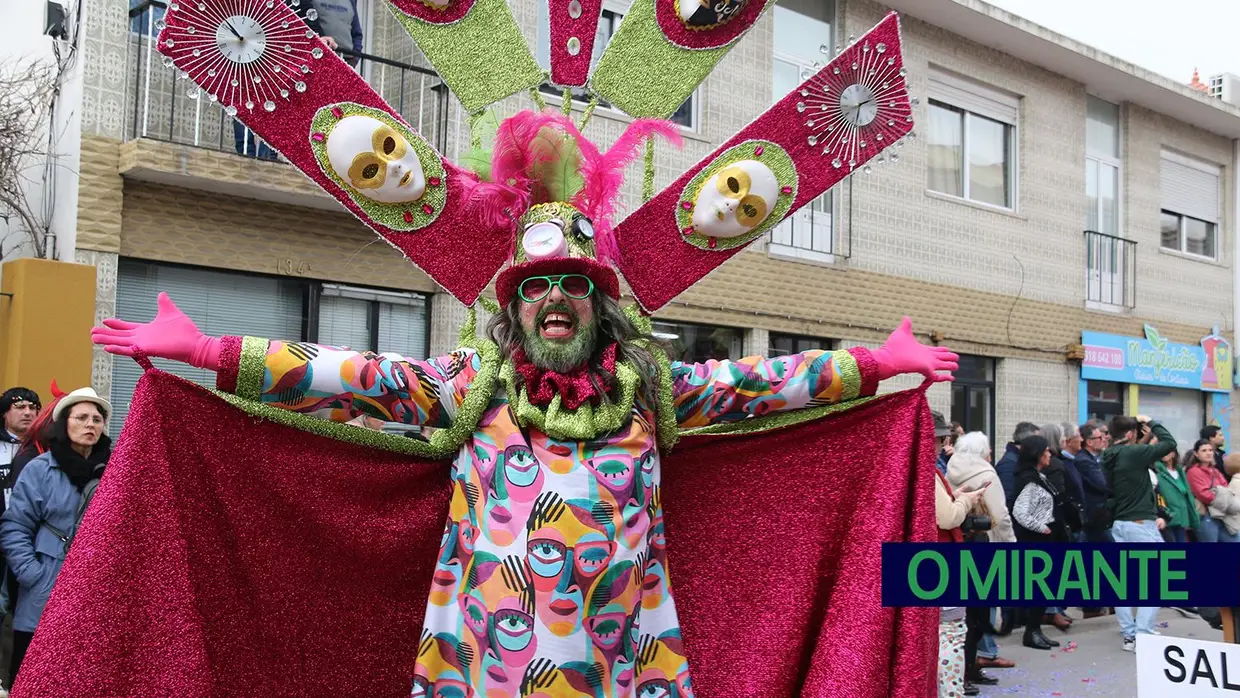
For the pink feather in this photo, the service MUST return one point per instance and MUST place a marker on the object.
(605, 177)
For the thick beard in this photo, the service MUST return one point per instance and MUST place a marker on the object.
(561, 357)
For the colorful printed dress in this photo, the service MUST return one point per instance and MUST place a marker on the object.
(552, 576)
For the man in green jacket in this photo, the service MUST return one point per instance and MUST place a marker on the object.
(1127, 465)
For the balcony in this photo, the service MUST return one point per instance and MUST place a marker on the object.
(174, 138)
(1110, 272)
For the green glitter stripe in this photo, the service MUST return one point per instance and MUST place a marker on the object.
(336, 430)
(776, 420)
(390, 215)
(850, 373)
(666, 428)
(643, 74)
(774, 157)
(483, 57)
(252, 368)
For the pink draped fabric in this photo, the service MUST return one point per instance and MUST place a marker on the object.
(226, 555)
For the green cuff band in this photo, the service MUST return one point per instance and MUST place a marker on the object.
(252, 368)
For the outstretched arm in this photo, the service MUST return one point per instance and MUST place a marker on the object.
(726, 391)
(335, 383)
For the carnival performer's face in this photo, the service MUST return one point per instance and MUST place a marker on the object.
(565, 556)
(557, 318)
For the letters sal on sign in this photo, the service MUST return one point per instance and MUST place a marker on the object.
(1178, 667)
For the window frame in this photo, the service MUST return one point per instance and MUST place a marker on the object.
(555, 95)
(1183, 236)
(1117, 162)
(739, 341)
(375, 297)
(1205, 167)
(786, 228)
(972, 99)
(773, 337)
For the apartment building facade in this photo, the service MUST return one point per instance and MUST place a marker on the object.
(1052, 191)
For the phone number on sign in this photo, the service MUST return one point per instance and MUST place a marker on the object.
(1104, 357)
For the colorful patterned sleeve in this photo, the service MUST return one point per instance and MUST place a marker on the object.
(339, 384)
(728, 391)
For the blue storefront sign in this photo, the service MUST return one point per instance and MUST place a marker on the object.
(1152, 360)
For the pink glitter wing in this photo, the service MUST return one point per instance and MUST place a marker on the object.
(810, 144)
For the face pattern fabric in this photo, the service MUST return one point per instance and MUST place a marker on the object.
(552, 577)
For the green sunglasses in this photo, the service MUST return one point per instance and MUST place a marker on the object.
(536, 288)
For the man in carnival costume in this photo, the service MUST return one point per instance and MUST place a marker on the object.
(553, 576)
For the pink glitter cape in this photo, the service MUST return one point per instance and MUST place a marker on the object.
(226, 555)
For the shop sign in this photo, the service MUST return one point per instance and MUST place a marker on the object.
(1152, 360)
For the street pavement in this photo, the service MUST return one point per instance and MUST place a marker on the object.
(1097, 666)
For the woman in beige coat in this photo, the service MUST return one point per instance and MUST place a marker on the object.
(970, 469)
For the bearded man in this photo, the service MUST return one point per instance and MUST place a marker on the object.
(552, 569)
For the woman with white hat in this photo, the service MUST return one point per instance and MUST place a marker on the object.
(47, 505)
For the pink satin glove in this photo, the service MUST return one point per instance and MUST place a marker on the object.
(171, 335)
(902, 353)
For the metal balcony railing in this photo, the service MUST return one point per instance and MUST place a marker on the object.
(160, 107)
(1110, 270)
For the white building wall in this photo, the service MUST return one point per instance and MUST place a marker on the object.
(51, 187)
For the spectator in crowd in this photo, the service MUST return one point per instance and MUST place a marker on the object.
(1036, 519)
(1178, 504)
(1006, 467)
(35, 442)
(47, 506)
(340, 25)
(20, 407)
(1072, 446)
(1231, 520)
(950, 510)
(1127, 465)
(1070, 515)
(1096, 438)
(970, 470)
(942, 442)
(1207, 483)
(1214, 434)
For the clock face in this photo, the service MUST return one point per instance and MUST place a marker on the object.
(858, 105)
(241, 39)
(248, 55)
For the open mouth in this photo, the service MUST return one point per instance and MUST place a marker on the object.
(557, 325)
(405, 180)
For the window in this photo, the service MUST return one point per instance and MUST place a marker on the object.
(144, 15)
(1105, 400)
(373, 320)
(1110, 265)
(1190, 205)
(801, 38)
(231, 303)
(785, 344)
(698, 343)
(971, 141)
(1102, 167)
(608, 22)
(973, 395)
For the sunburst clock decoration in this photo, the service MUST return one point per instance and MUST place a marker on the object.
(832, 125)
(247, 54)
(271, 72)
(858, 106)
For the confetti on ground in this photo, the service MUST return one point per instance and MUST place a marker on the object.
(1163, 624)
